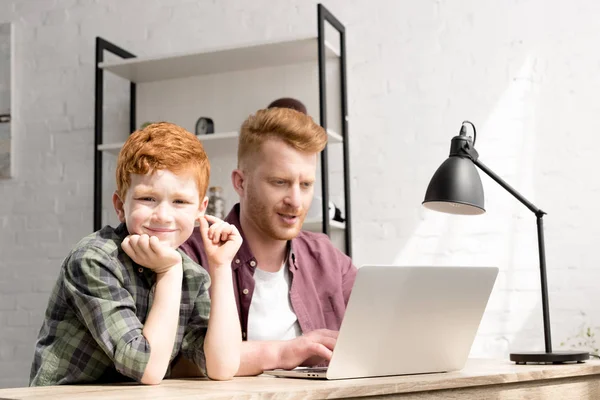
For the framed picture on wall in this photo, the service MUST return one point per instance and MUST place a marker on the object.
(5, 99)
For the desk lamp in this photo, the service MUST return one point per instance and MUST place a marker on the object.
(456, 188)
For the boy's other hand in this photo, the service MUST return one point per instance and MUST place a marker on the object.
(148, 252)
(221, 240)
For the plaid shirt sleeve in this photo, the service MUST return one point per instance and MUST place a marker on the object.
(94, 284)
(192, 346)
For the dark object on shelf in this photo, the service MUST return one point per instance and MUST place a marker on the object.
(4, 118)
(338, 215)
(288, 102)
(204, 126)
(456, 188)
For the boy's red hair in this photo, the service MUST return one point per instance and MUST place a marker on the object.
(159, 146)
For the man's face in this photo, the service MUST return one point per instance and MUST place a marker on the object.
(278, 189)
(161, 204)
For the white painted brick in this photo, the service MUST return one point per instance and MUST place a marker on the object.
(44, 284)
(18, 319)
(86, 9)
(32, 301)
(77, 145)
(55, 38)
(24, 354)
(93, 25)
(59, 123)
(24, 7)
(41, 220)
(83, 121)
(46, 235)
(46, 107)
(26, 205)
(6, 353)
(7, 302)
(59, 17)
(81, 104)
(53, 59)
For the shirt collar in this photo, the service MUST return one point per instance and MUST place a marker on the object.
(121, 231)
(244, 254)
(292, 260)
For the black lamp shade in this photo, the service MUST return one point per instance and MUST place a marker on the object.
(456, 188)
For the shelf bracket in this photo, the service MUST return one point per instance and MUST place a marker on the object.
(101, 46)
(324, 15)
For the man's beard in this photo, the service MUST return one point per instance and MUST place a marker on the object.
(263, 218)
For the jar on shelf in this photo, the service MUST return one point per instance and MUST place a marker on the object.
(216, 202)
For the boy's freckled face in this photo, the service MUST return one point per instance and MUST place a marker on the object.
(162, 204)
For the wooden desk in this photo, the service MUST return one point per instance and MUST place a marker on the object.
(480, 379)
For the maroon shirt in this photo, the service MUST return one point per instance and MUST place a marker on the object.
(322, 277)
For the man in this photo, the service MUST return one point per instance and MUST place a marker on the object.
(291, 286)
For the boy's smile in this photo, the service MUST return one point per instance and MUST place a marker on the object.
(161, 204)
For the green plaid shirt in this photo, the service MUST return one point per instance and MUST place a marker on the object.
(92, 331)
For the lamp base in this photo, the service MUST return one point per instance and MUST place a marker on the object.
(556, 357)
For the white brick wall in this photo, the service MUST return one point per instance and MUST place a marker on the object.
(524, 71)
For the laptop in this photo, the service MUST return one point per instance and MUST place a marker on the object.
(406, 320)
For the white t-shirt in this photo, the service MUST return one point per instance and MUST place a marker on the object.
(271, 316)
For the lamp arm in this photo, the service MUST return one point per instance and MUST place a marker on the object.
(472, 154)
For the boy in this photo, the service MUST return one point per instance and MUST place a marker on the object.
(127, 303)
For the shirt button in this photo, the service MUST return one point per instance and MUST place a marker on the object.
(140, 270)
(237, 260)
(253, 263)
(245, 291)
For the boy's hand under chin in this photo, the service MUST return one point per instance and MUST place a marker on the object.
(221, 241)
(148, 252)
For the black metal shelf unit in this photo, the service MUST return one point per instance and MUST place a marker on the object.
(323, 16)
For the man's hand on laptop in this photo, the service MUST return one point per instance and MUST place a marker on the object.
(310, 349)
